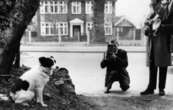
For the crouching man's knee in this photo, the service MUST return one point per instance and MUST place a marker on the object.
(124, 87)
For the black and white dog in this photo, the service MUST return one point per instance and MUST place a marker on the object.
(31, 84)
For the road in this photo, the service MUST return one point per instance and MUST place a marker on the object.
(88, 77)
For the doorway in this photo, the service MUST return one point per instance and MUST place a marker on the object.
(77, 32)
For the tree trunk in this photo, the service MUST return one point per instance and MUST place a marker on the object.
(15, 15)
(99, 21)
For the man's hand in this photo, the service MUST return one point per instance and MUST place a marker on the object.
(147, 30)
(114, 55)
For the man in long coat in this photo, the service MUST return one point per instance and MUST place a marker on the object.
(116, 62)
(158, 53)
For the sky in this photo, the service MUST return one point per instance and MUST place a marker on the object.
(134, 10)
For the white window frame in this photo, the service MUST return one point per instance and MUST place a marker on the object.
(88, 7)
(108, 28)
(65, 28)
(77, 6)
(62, 5)
(57, 28)
(52, 32)
(53, 28)
(52, 5)
(108, 7)
(47, 26)
(47, 3)
(120, 29)
(55, 7)
(89, 26)
(42, 7)
(61, 8)
(62, 26)
(43, 29)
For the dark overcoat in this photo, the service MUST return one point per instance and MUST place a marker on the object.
(160, 45)
(116, 69)
(161, 50)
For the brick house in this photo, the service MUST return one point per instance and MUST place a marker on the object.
(71, 20)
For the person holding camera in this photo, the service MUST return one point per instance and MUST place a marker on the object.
(116, 62)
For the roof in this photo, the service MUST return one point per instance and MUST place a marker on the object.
(121, 21)
(116, 19)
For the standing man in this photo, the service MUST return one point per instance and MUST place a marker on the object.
(116, 62)
(158, 49)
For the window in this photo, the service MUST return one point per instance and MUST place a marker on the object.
(43, 26)
(65, 29)
(62, 7)
(53, 7)
(108, 7)
(120, 29)
(46, 28)
(89, 7)
(62, 28)
(89, 26)
(76, 7)
(56, 7)
(42, 7)
(138, 34)
(47, 6)
(46, 9)
(126, 33)
(59, 28)
(108, 28)
(52, 29)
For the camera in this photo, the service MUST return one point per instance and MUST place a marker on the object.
(110, 50)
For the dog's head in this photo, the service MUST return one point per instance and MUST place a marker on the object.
(47, 62)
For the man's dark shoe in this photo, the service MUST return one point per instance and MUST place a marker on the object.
(161, 92)
(147, 92)
(107, 91)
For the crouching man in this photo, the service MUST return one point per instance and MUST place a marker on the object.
(116, 61)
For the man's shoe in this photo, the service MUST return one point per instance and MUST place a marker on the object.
(161, 92)
(107, 91)
(147, 92)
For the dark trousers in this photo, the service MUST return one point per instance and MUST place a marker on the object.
(153, 77)
(121, 76)
(153, 70)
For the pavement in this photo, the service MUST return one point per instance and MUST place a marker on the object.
(81, 48)
(83, 63)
